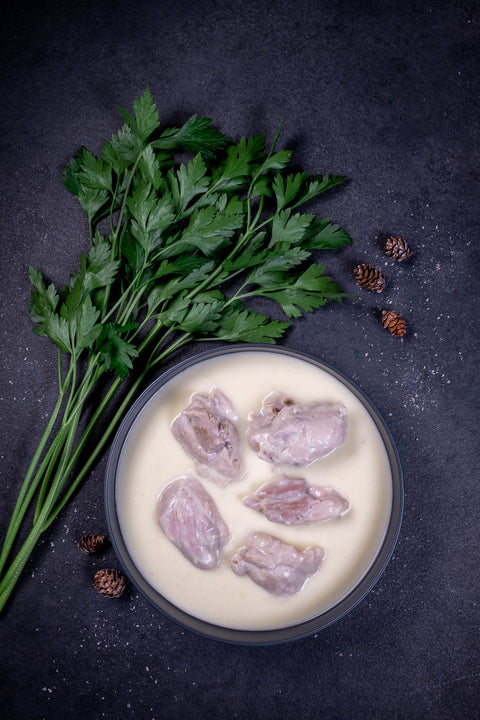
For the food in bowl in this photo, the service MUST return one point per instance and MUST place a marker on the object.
(277, 567)
(207, 431)
(190, 519)
(358, 470)
(286, 432)
(291, 501)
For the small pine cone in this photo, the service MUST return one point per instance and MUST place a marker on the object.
(397, 248)
(369, 277)
(394, 323)
(90, 544)
(109, 583)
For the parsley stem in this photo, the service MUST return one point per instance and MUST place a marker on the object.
(10, 579)
(13, 573)
(26, 492)
(100, 444)
(112, 205)
(73, 384)
(82, 443)
(129, 309)
(259, 212)
(118, 232)
(78, 397)
(29, 486)
(52, 453)
(117, 236)
(250, 229)
(74, 404)
(183, 340)
(70, 419)
(123, 297)
(50, 466)
(101, 408)
(210, 280)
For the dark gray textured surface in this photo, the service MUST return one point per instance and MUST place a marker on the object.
(386, 93)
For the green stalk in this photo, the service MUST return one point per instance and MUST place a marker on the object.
(74, 406)
(11, 536)
(29, 486)
(128, 310)
(26, 494)
(117, 234)
(94, 420)
(100, 444)
(75, 403)
(60, 449)
(251, 227)
(44, 515)
(10, 579)
(117, 307)
(43, 490)
(112, 205)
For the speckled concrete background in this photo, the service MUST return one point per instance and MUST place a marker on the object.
(386, 93)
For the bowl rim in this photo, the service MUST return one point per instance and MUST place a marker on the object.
(239, 636)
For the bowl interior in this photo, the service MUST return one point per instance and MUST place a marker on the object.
(241, 636)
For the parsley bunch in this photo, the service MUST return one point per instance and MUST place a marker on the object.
(175, 251)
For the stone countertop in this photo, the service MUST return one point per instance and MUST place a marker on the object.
(385, 93)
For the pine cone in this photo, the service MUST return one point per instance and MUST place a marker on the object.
(394, 323)
(369, 277)
(109, 583)
(90, 544)
(397, 248)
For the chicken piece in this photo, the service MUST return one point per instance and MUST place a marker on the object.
(207, 432)
(285, 433)
(276, 566)
(189, 518)
(291, 501)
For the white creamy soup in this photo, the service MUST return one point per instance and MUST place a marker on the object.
(358, 469)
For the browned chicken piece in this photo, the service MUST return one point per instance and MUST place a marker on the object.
(207, 432)
(286, 433)
(189, 518)
(292, 502)
(276, 566)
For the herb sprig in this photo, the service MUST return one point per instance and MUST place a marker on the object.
(175, 252)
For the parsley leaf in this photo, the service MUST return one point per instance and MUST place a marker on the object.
(195, 136)
(145, 119)
(296, 189)
(58, 330)
(44, 299)
(324, 235)
(150, 215)
(150, 166)
(289, 228)
(309, 291)
(274, 268)
(287, 188)
(88, 171)
(116, 353)
(84, 329)
(249, 326)
(201, 318)
(177, 284)
(208, 229)
(239, 164)
(188, 182)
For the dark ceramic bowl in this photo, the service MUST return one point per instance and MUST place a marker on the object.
(254, 637)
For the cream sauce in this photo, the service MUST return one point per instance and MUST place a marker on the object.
(359, 470)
